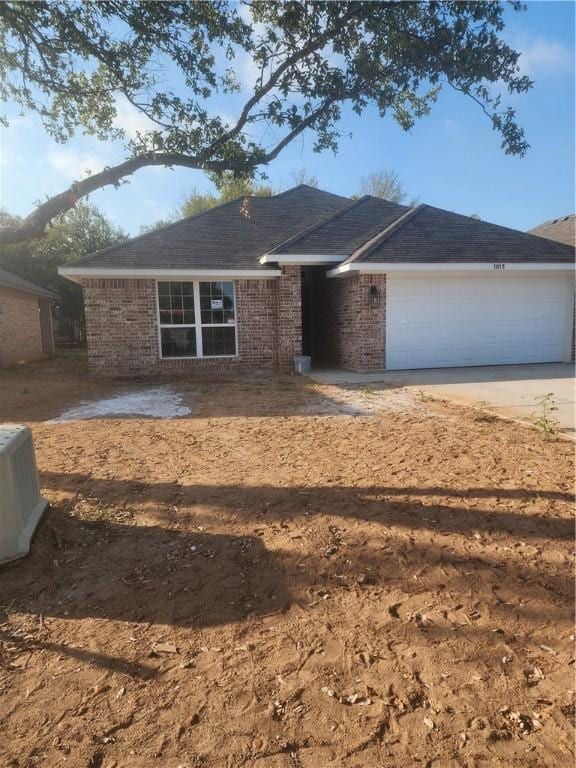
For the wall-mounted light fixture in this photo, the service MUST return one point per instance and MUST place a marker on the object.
(374, 296)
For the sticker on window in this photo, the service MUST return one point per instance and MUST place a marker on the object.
(216, 304)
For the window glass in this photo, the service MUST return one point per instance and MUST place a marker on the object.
(217, 303)
(176, 303)
(179, 336)
(218, 341)
(178, 342)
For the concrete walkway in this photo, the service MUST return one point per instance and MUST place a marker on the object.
(511, 390)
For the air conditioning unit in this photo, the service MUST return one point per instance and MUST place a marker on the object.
(21, 505)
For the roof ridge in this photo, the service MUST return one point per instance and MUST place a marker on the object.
(307, 186)
(292, 189)
(374, 242)
(316, 225)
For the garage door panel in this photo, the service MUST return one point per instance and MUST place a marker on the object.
(493, 286)
(436, 322)
(489, 312)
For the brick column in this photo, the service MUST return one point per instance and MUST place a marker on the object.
(289, 317)
(370, 325)
(358, 338)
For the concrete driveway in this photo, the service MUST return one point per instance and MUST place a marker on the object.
(511, 390)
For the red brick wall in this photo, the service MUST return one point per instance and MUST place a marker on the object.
(357, 340)
(122, 328)
(20, 336)
(289, 288)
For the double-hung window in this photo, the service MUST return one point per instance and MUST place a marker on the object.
(197, 319)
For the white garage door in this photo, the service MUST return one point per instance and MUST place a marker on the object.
(435, 322)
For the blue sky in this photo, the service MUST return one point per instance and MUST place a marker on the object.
(451, 159)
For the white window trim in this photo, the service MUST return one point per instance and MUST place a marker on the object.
(197, 325)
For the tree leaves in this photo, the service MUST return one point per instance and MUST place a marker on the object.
(70, 63)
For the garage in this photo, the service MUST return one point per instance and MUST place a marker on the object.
(466, 319)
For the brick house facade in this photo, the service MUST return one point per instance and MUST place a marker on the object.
(25, 321)
(122, 327)
(365, 285)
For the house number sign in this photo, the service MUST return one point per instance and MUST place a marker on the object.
(499, 266)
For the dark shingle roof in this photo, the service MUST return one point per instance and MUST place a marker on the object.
(304, 220)
(345, 231)
(224, 237)
(435, 235)
(563, 230)
(17, 283)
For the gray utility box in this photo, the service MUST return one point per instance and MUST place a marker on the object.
(21, 505)
(302, 364)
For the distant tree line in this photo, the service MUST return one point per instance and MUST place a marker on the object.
(80, 231)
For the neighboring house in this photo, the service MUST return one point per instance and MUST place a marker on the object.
(365, 285)
(25, 320)
(563, 230)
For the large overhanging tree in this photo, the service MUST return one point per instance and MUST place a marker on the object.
(70, 62)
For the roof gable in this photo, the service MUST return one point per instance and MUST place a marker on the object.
(436, 235)
(230, 236)
(344, 231)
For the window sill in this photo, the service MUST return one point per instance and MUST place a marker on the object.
(204, 357)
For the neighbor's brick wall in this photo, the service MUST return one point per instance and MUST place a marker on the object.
(122, 329)
(358, 338)
(20, 336)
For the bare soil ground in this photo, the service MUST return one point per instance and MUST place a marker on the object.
(292, 576)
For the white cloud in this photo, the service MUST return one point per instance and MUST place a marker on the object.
(539, 56)
(131, 120)
(73, 165)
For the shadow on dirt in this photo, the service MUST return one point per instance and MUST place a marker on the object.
(160, 575)
(455, 511)
(144, 574)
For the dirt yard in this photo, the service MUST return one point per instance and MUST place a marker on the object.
(290, 576)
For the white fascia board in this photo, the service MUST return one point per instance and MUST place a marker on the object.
(304, 259)
(167, 274)
(448, 266)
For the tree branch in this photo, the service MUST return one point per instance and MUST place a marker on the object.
(265, 88)
(34, 225)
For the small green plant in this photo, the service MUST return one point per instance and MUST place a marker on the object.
(542, 418)
(424, 397)
(480, 414)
